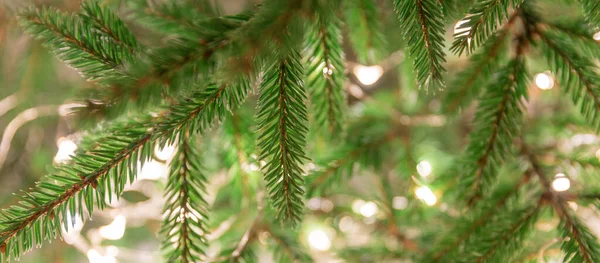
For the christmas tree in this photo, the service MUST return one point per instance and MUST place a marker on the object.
(302, 130)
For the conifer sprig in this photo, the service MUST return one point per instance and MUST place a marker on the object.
(282, 118)
(481, 21)
(324, 58)
(467, 85)
(497, 122)
(365, 30)
(423, 22)
(106, 22)
(73, 41)
(590, 9)
(577, 73)
(185, 209)
(106, 168)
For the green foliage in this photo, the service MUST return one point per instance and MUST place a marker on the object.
(365, 30)
(324, 58)
(73, 41)
(590, 9)
(203, 66)
(482, 65)
(185, 209)
(282, 118)
(496, 124)
(576, 72)
(109, 24)
(483, 18)
(424, 32)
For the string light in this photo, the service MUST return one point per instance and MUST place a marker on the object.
(319, 240)
(561, 183)
(368, 209)
(424, 168)
(368, 75)
(400, 202)
(66, 149)
(597, 36)
(544, 81)
(165, 153)
(426, 195)
(115, 230)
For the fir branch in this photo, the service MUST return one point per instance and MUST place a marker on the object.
(73, 41)
(482, 65)
(482, 214)
(482, 19)
(363, 147)
(324, 57)
(282, 131)
(496, 123)
(580, 244)
(423, 23)
(591, 9)
(286, 247)
(577, 73)
(109, 24)
(576, 31)
(173, 18)
(184, 224)
(107, 167)
(365, 30)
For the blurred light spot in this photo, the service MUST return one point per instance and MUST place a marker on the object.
(368, 75)
(165, 153)
(153, 170)
(66, 148)
(368, 209)
(95, 257)
(400, 202)
(357, 205)
(598, 154)
(597, 36)
(314, 203)
(424, 168)
(544, 81)
(356, 91)
(561, 183)
(426, 195)
(346, 224)
(326, 206)
(573, 205)
(319, 240)
(114, 230)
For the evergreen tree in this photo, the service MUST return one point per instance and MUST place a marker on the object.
(466, 166)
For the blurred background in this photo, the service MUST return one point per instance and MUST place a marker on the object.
(37, 91)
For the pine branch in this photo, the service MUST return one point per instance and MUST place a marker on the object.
(282, 131)
(423, 23)
(576, 31)
(104, 169)
(184, 224)
(577, 73)
(364, 147)
(365, 30)
(73, 41)
(580, 245)
(591, 9)
(481, 21)
(324, 57)
(286, 247)
(109, 24)
(482, 65)
(496, 123)
(172, 18)
(480, 215)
